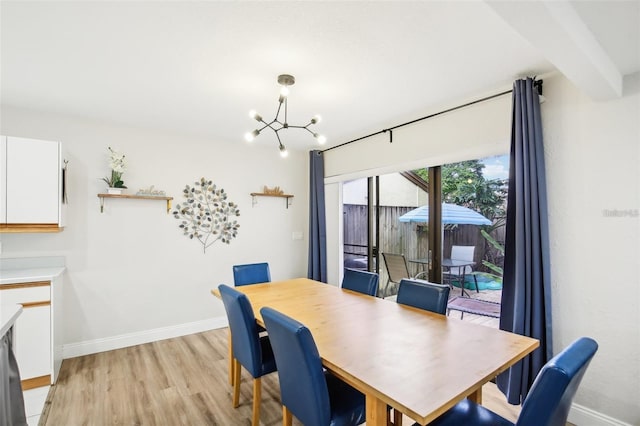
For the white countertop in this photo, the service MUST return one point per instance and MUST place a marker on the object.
(25, 275)
(8, 316)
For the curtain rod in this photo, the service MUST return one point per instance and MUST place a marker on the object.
(538, 84)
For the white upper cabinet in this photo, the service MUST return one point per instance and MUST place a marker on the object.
(30, 186)
(3, 180)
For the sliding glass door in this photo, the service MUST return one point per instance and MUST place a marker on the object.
(410, 214)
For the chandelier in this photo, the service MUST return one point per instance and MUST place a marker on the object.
(285, 80)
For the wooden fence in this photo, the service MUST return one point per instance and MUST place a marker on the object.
(410, 239)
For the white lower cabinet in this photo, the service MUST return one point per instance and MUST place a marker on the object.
(33, 342)
(32, 331)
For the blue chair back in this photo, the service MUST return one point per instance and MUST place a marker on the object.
(550, 396)
(424, 295)
(361, 281)
(246, 343)
(303, 386)
(251, 273)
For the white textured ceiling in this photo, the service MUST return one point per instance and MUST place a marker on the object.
(199, 67)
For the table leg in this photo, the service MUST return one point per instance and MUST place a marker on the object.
(397, 418)
(287, 417)
(376, 411)
(476, 396)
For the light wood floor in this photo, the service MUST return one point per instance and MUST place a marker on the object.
(181, 381)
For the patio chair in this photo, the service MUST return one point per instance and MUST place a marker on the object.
(549, 399)
(462, 253)
(397, 269)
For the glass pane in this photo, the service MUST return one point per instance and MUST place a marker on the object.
(355, 219)
(474, 212)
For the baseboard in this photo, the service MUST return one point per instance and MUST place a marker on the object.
(583, 416)
(88, 347)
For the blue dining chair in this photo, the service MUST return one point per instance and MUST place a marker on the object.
(249, 349)
(361, 281)
(549, 399)
(251, 273)
(313, 395)
(424, 295)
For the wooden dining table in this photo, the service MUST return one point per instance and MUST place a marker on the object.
(418, 362)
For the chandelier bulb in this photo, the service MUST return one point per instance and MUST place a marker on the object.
(283, 151)
(253, 114)
(250, 136)
(284, 91)
(321, 139)
(316, 119)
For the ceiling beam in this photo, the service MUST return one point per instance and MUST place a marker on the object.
(556, 29)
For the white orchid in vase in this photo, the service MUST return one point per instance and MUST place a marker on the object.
(117, 165)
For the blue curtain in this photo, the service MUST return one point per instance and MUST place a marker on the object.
(317, 221)
(526, 293)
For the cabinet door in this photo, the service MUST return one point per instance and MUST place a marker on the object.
(32, 330)
(32, 336)
(3, 179)
(32, 181)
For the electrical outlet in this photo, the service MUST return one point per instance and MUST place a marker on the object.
(296, 235)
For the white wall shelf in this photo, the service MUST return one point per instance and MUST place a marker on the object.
(254, 201)
(138, 197)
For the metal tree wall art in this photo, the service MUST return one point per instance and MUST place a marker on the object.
(206, 214)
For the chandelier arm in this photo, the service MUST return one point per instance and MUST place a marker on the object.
(286, 102)
(278, 112)
(300, 127)
(278, 136)
(269, 125)
(263, 127)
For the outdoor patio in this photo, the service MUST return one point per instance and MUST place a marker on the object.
(486, 295)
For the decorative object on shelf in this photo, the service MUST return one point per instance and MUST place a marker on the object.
(117, 166)
(207, 215)
(272, 191)
(151, 192)
(285, 80)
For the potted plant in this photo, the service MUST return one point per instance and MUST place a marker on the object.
(117, 166)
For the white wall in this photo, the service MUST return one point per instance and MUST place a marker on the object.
(470, 132)
(395, 190)
(130, 269)
(592, 153)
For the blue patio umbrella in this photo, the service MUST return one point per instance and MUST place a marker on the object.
(451, 214)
